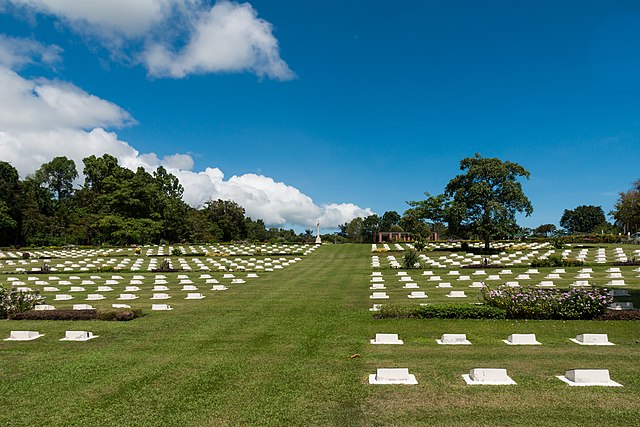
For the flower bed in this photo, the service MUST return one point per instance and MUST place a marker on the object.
(535, 303)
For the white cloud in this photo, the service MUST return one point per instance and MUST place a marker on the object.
(17, 52)
(175, 38)
(123, 17)
(29, 105)
(229, 37)
(40, 119)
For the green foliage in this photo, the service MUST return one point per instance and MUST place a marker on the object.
(121, 315)
(176, 252)
(411, 259)
(388, 220)
(535, 303)
(419, 245)
(626, 212)
(485, 199)
(556, 261)
(583, 219)
(441, 311)
(13, 301)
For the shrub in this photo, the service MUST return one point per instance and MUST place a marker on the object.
(459, 311)
(176, 252)
(419, 245)
(556, 261)
(108, 315)
(411, 259)
(441, 311)
(13, 301)
(26, 255)
(55, 315)
(620, 315)
(535, 303)
(119, 315)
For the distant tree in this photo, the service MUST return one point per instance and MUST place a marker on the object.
(355, 229)
(227, 220)
(58, 176)
(626, 212)
(412, 222)
(583, 219)
(388, 220)
(545, 230)
(9, 207)
(370, 228)
(484, 200)
(431, 211)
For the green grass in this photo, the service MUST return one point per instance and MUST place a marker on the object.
(277, 351)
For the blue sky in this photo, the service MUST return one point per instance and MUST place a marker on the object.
(341, 107)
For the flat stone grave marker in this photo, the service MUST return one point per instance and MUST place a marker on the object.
(417, 294)
(591, 339)
(379, 295)
(78, 336)
(521, 339)
(387, 339)
(453, 339)
(194, 295)
(488, 376)
(393, 376)
(161, 307)
(588, 378)
(456, 294)
(23, 336)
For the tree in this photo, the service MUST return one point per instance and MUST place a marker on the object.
(545, 230)
(58, 176)
(431, 211)
(389, 219)
(9, 209)
(484, 200)
(413, 222)
(227, 220)
(370, 228)
(583, 219)
(626, 212)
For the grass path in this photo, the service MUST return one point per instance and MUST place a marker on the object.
(276, 351)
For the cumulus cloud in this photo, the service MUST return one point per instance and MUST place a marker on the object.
(175, 38)
(41, 119)
(128, 18)
(17, 52)
(229, 37)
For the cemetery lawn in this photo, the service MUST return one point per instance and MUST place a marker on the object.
(278, 351)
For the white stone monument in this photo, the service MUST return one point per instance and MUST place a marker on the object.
(588, 377)
(392, 376)
(488, 376)
(318, 239)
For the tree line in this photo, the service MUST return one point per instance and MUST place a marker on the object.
(482, 202)
(118, 206)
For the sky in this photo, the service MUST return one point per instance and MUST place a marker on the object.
(306, 111)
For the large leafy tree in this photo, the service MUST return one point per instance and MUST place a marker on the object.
(58, 176)
(9, 210)
(626, 212)
(226, 219)
(425, 215)
(583, 219)
(389, 219)
(485, 199)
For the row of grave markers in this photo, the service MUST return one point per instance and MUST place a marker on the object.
(498, 376)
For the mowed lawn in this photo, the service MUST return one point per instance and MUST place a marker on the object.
(278, 351)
